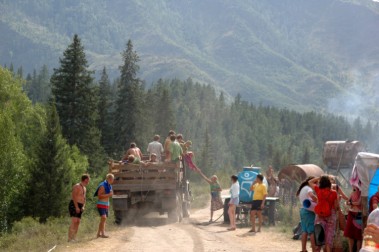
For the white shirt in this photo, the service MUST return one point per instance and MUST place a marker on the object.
(235, 190)
(304, 194)
(157, 148)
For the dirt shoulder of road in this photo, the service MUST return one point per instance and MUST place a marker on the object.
(153, 233)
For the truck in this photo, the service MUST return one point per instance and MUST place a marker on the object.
(151, 187)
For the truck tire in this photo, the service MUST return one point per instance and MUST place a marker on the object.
(131, 215)
(118, 216)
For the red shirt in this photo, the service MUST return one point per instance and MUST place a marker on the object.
(326, 194)
(373, 200)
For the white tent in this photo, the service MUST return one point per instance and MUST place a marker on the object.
(365, 165)
(364, 169)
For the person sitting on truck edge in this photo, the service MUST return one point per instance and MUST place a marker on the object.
(133, 160)
(76, 206)
(156, 148)
(167, 143)
(175, 151)
(258, 204)
(133, 150)
(153, 159)
(104, 192)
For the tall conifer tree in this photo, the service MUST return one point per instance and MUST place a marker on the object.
(128, 105)
(50, 176)
(76, 102)
(105, 116)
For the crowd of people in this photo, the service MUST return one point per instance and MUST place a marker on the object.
(321, 216)
(174, 150)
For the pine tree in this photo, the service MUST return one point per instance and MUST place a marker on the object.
(51, 175)
(105, 114)
(76, 102)
(164, 116)
(128, 105)
(20, 72)
(306, 156)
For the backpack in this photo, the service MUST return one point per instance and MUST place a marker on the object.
(323, 208)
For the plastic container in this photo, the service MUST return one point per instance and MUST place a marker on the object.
(309, 205)
(253, 169)
(245, 179)
(368, 244)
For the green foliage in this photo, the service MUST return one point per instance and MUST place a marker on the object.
(53, 173)
(16, 117)
(129, 101)
(105, 119)
(76, 102)
(37, 167)
(38, 85)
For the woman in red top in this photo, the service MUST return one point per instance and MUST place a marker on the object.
(327, 198)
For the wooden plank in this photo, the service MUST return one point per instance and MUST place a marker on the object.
(138, 188)
(145, 175)
(117, 165)
(145, 182)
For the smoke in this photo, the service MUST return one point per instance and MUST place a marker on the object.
(360, 99)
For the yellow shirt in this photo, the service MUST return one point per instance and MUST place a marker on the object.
(260, 191)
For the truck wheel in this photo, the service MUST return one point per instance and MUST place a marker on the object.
(131, 215)
(118, 216)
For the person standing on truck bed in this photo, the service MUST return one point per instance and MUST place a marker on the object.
(76, 206)
(167, 143)
(104, 192)
(156, 148)
(175, 151)
(133, 150)
(258, 204)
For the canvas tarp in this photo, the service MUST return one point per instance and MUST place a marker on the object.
(365, 167)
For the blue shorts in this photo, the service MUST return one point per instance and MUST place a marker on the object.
(103, 211)
(307, 219)
(234, 201)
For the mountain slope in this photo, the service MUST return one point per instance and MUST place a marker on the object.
(293, 53)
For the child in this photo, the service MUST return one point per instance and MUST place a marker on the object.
(188, 155)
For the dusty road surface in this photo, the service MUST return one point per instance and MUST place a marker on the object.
(152, 233)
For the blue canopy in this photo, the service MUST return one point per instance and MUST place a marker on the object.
(373, 188)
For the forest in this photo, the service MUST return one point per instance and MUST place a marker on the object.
(56, 124)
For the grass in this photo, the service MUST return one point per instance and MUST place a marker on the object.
(30, 235)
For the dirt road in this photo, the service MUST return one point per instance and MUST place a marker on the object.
(152, 233)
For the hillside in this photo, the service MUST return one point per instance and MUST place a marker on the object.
(314, 54)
